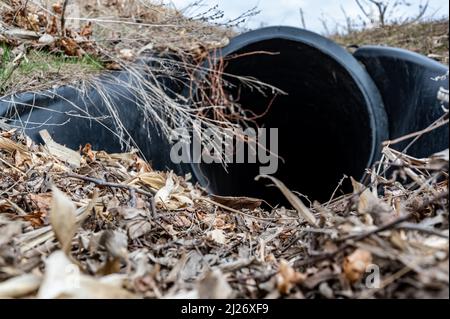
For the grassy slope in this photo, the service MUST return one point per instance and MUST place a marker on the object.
(41, 68)
(427, 38)
(44, 69)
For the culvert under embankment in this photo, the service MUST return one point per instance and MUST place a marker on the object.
(331, 121)
(337, 111)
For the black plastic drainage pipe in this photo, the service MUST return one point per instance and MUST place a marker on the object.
(331, 123)
(74, 119)
(408, 83)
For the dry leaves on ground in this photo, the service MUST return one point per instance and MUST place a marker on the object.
(118, 229)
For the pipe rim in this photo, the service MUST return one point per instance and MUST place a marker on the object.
(373, 100)
(378, 51)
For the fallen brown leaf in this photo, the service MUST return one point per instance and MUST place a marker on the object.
(238, 202)
(136, 222)
(214, 285)
(20, 286)
(287, 277)
(370, 204)
(63, 279)
(86, 30)
(218, 236)
(355, 265)
(63, 219)
(302, 210)
(57, 8)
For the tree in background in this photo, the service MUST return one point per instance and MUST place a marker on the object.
(380, 12)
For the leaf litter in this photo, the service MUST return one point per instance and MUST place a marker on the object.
(115, 228)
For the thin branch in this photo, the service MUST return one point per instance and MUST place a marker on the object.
(101, 182)
(302, 18)
(417, 134)
(361, 7)
(422, 10)
(232, 210)
(358, 238)
(420, 228)
(63, 17)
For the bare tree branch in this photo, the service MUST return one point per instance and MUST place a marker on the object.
(361, 7)
(302, 18)
(348, 21)
(422, 11)
(386, 8)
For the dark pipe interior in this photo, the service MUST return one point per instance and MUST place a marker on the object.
(324, 124)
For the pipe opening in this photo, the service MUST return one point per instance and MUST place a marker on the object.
(324, 122)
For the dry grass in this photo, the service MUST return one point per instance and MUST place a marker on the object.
(141, 25)
(121, 35)
(427, 38)
(41, 70)
(114, 33)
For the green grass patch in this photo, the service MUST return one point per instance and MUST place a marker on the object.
(42, 65)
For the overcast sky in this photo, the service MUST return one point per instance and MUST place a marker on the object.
(287, 12)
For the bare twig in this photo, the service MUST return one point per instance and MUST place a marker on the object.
(441, 122)
(351, 240)
(63, 17)
(109, 184)
(420, 228)
(242, 213)
(302, 18)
